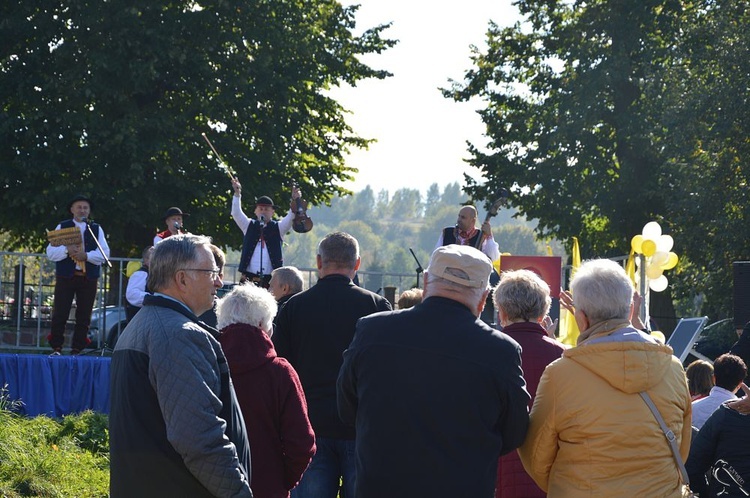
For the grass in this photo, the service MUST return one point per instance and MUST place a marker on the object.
(45, 457)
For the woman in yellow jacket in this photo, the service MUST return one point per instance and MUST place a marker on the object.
(590, 433)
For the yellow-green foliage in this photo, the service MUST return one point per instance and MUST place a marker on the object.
(49, 458)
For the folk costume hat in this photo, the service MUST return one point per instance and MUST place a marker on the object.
(462, 265)
(264, 200)
(174, 211)
(80, 197)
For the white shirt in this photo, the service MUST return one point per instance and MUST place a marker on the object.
(255, 264)
(704, 407)
(94, 257)
(136, 289)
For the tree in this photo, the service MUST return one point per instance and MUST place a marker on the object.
(706, 186)
(452, 195)
(432, 199)
(568, 118)
(406, 203)
(111, 98)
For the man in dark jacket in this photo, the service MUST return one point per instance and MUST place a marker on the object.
(312, 331)
(175, 426)
(436, 394)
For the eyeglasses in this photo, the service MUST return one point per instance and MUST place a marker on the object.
(212, 274)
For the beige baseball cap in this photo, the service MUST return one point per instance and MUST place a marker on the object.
(472, 262)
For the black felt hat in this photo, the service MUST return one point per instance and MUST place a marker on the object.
(173, 211)
(264, 200)
(80, 197)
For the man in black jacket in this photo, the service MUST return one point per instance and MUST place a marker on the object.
(436, 394)
(312, 331)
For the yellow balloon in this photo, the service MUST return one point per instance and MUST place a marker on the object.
(653, 271)
(648, 247)
(659, 336)
(672, 261)
(496, 264)
(636, 242)
(133, 266)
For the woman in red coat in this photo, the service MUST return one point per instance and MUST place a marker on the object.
(269, 392)
(522, 301)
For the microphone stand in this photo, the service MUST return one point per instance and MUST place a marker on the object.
(262, 243)
(96, 241)
(102, 349)
(419, 269)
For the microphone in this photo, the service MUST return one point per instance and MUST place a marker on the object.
(85, 220)
(262, 220)
(178, 226)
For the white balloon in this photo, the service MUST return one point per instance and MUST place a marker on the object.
(658, 284)
(664, 243)
(654, 271)
(659, 258)
(651, 230)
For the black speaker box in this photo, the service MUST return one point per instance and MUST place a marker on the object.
(741, 270)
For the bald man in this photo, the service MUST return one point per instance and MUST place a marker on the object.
(465, 233)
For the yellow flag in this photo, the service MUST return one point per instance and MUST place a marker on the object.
(630, 266)
(568, 327)
(576, 256)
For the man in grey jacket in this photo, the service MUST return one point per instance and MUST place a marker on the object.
(175, 426)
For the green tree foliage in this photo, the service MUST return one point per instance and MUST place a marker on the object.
(708, 148)
(111, 98)
(569, 119)
(604, 115)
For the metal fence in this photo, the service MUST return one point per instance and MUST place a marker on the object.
(27, 284)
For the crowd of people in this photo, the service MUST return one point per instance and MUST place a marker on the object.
(275, 390)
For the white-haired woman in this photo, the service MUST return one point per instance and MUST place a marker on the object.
(268, 390)
(590, 433)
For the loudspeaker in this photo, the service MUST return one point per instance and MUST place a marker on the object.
(741, 270)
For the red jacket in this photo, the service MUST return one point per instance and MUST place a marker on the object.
(269, 392)
(538, 351)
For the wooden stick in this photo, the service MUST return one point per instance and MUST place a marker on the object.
(222, 164)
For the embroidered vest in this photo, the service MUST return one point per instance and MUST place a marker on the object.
(450, 238)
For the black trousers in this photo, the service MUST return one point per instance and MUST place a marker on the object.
(84, 291)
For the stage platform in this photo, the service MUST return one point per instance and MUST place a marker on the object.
(56, 385)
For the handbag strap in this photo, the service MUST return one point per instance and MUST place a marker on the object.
(669, 435)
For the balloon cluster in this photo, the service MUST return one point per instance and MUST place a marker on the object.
(656, 248)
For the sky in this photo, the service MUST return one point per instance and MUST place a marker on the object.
(421, 135)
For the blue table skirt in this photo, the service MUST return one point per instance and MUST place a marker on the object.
(56, 385)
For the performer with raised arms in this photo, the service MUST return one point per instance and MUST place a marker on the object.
(263, 236)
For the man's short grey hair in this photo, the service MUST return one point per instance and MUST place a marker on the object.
(522, 295)
(340, 250)
(291, 276)
(248, 304)
(439, 283)
(171, 255)
(602, 290)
